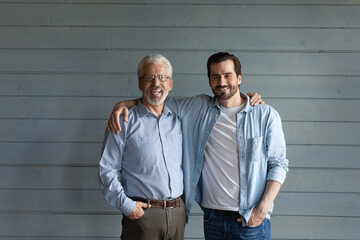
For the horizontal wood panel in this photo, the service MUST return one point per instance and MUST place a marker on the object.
(125, 85)
(30, 130)
(59, 238)
(93, 201)
(288, 86)
(323, 156)
(301, 180)
(192, 15)
(43, 153)
(322, 180)
(57, 107)
(329, 133)
(318, 204)
(283, 227)
(59, 84)
(53, 130)
(267, 2)
(249, 39)
(316, 110)
(104, 61)
(49, 178)
(65, 201)
(100, 108)
(292, 227)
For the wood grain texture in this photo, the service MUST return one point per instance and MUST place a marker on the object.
(89, 108)
(194, 15)
(125, 85)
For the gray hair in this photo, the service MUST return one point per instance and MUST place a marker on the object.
(153, 58)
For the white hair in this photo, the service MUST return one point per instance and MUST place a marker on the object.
(153, 58)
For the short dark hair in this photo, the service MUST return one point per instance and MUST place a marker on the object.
(223, 56)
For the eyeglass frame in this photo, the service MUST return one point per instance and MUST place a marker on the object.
(161, 77)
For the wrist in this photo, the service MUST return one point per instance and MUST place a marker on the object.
(264, 206)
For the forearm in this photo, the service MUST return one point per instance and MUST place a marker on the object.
(127, 103)
(109, 170)
(271, 191)
(261, 210)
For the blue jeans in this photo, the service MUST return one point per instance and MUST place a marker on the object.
(225, 227)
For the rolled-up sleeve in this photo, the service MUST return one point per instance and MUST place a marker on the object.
(276, 149)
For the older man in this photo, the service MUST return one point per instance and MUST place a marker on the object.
(148, 156)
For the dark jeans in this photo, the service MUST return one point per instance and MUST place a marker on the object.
(220, 227)
(156, 224)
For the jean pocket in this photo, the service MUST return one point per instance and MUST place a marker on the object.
(207, 215)
(255, 232)
(253, 227)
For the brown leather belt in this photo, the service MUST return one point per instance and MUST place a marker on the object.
(171, 203)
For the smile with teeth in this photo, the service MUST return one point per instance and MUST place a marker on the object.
(156, 92)
(222, 88)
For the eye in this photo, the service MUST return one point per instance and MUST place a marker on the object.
(149, 77)
(215, 77)
(228, 75)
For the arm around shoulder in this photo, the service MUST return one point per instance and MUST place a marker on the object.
(121, 108)
(182, 106)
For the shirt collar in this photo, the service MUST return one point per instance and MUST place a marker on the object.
(142, 110)
(248, 107)
(214, 103)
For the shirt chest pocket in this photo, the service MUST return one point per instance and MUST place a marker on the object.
(256, 149)
(141, 151)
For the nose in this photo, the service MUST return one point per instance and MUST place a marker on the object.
(155, 81)
(222, 80)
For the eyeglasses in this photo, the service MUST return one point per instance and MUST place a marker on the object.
(150, 78)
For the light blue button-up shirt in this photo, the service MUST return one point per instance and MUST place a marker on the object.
(146, 155)
(261, 147)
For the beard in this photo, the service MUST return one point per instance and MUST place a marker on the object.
(156, 100)
(223, 95)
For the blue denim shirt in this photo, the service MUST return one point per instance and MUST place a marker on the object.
(261, 147)
(148, 154)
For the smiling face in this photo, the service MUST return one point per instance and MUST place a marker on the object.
(155, 92)
(223, 80)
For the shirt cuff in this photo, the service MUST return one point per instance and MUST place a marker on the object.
(246, 216)
(127, 207)
(277, 175)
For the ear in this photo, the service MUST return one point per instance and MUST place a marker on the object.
(171, 84)
(239, 79)
(140, 85)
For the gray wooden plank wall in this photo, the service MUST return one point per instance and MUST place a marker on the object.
(64, 63)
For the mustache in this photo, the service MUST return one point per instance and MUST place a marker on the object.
(156, 88)
(221, 86)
